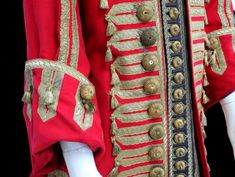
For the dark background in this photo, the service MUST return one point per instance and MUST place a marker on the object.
(16, 161)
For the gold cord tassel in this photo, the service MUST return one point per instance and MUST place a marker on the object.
(89, 106)
(104, 4)
(114, 172)
(114, 128)
(111, 28)
(114, 101)
(109, 55)
(206, 58)
(114, 77)
(27, 97)
(205, 81)
(48, 97)
(213, 58)
(205, 99)
(116, 149)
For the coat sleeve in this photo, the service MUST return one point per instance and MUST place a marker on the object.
(220, 55)
(59, 100)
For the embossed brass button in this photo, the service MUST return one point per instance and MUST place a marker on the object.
(179, 108)
(145, 13)
(177, 62)
(156, 132)
(178, 93)
(174, 13)
(151, 86)
(180, 175)
(174, 30)
(213, 43)
(179, 138)
(180, 165)
(179, 123)
(180, 152)
(87, 91)
(176, 46)
(149, 62)
(156, 153)
(179, 78)
(157, 172)
(155, 110)
(149, 37)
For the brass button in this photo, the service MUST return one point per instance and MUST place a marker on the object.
(179, 138)
(177, 62)
(180, 165)
(87, 91)
(176, 46)
(149, 37)
(157, 172)
(178, 93)
(179, 123)
(151, 86)
(213, 43)
(179, 78)
(145, 13)
(156, 132)
(174, 13)
(174, 30)
(149, 62)
(180, 152)
(179, 108)
(156, 153)
(180, 175)
(155, 110)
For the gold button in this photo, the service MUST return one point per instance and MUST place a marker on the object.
(149, 62)
(213, 43)
(174, 30)
(179, 123)
(179, 108)
(180, 176)
(87, 91)
(174, 13)
(179, 78)
(151, 86)
(177, 62)
(155, 110)
(179, 138)
(156, 153)
(157, 172)
(180, 165)
(156, 132)
(180, 152)
(145, 13)
(178, 93)
(176, 46)
(149, 37)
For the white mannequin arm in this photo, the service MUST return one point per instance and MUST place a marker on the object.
(79, 159)
(228, 106)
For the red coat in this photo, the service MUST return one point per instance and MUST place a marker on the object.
(128, 78)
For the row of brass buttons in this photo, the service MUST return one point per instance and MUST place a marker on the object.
(178, 93)
(152, 86)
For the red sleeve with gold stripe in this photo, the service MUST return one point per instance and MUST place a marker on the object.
(60, 101)
(220, 43)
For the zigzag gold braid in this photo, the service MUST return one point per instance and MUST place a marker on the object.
(134, 130)
(198, 47)
(197, 56)
(131, 118)
(135, 83)
(134, 156)
(221, 32)
(198, 25)
(198, 35)
(133, 140)
(195, 12)
(131, 70)
(137, 170)
(130, 59)
(197, 3)
(126, 7)
(128, 94)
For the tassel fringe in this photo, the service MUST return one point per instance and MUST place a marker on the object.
(115, 79)
(104, 4)
(27, 97)
(205, 81)
(114, 128)
(111, 28)
(48, 97)
(109, 55)
(205, 99)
